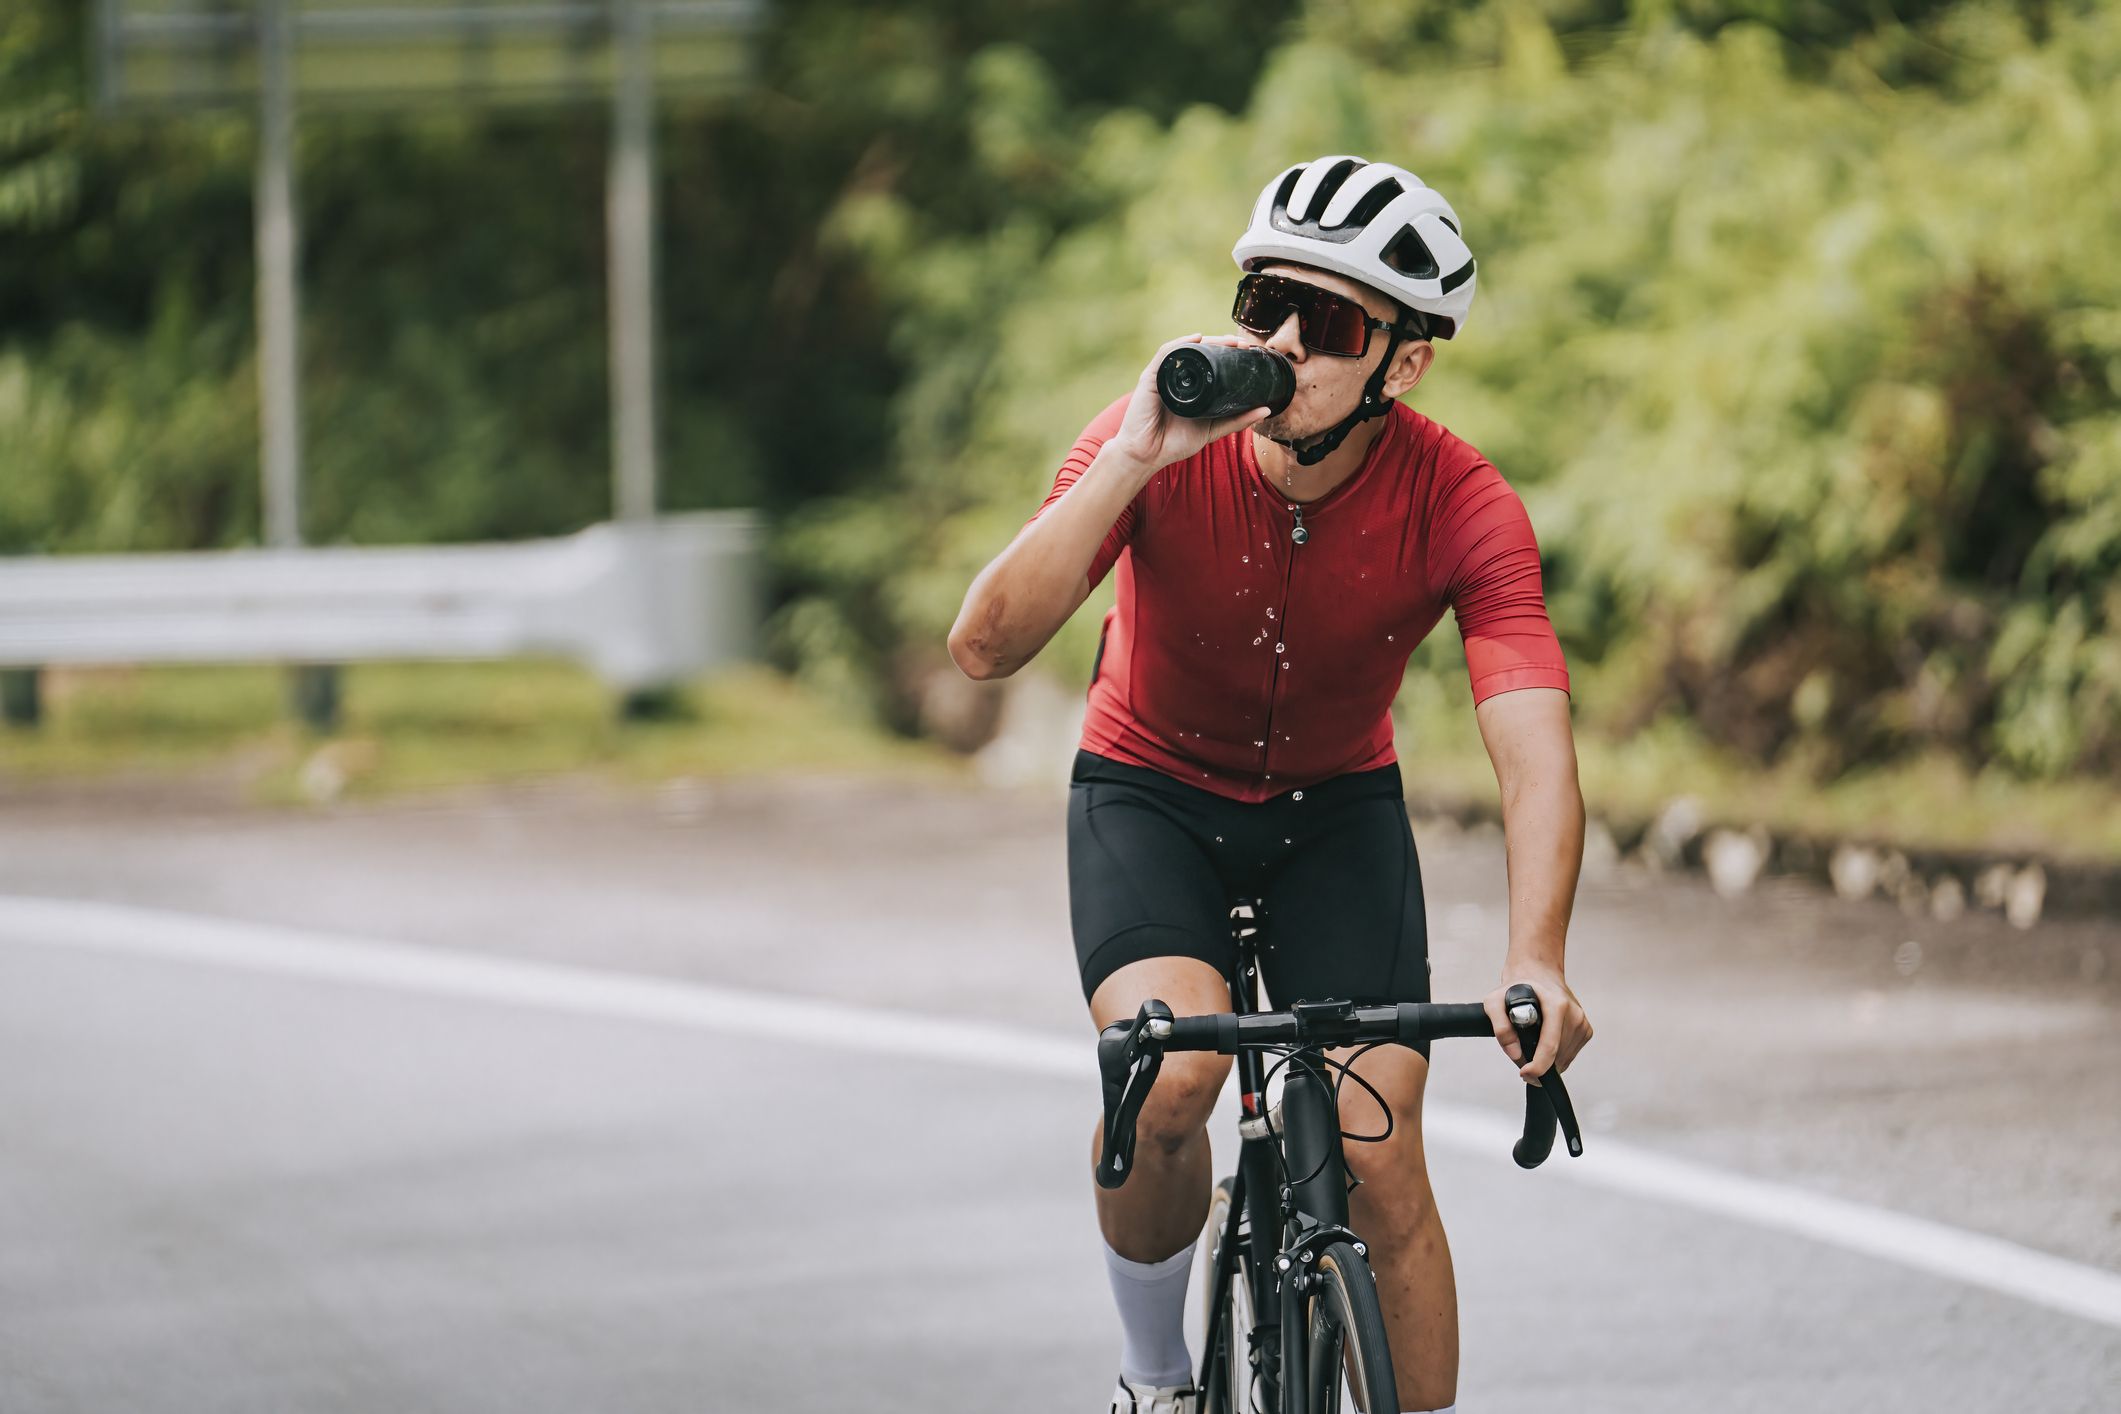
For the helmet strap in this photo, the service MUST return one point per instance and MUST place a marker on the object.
(1374, 404)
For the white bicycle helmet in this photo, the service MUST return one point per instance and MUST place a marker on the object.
(1369, 221)
(1372, 222)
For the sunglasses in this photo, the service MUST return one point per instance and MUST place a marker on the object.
(1327, 323)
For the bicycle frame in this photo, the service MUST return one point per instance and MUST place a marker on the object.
(1289, 1220)
(1291, 1184)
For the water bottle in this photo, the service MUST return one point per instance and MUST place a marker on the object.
(1223, 380)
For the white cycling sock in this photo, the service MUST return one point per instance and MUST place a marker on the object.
(1152, 1317)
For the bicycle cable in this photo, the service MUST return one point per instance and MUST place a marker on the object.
(1333, 1083)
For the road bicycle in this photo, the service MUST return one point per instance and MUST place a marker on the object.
(1283, 1258)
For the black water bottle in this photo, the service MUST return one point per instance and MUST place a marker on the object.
(1223, 380)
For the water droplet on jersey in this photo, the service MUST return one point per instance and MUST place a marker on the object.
(1259, 640)
(1277, 648)
(1296, 795)
(1270, 613)
(1388, 638)
(1261, 744)
(1247, 559)
(1285, 662)
(1218, 839)
(1288, 841)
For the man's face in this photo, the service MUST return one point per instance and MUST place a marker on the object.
(1328, 386)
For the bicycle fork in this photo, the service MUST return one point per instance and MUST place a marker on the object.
(1310, 1197)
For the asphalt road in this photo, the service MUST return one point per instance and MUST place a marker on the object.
(228, 1186)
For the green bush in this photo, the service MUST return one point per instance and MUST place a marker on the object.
(1808, 379)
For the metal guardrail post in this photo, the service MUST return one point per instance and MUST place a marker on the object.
(312, 689)
(630, 223)
(21, 697)
(313, 695)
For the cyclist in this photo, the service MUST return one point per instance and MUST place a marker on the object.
(1274, 574)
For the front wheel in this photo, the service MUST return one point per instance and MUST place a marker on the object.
(1227, 1386)
(1346, 1336)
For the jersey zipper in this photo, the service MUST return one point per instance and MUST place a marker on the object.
(1298, 535)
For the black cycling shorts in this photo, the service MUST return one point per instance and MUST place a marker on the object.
(1154, 865)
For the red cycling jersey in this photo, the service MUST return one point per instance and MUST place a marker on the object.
(1249, 662)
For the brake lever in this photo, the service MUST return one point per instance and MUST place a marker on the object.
(1546, 1102)
(1128, 1058)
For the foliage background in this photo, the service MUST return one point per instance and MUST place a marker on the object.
(1799, 326)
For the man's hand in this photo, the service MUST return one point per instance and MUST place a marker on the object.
(1153, 436)
(1563, 1027)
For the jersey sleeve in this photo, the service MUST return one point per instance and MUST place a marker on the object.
(1101, 429)
(1493, 586)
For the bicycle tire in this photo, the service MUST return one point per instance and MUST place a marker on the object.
(1345, 1333)
(1226, 1386)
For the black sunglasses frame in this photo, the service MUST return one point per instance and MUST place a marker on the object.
(1317, 293)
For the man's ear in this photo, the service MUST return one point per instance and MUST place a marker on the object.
(1409, 362)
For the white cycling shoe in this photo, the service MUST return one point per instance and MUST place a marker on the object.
(1155, 1399)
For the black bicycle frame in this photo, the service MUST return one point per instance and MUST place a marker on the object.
(1291, 1181)
(1293, 1193)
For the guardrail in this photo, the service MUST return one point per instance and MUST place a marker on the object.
(643, 604)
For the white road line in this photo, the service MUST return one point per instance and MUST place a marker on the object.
(1977, 1260)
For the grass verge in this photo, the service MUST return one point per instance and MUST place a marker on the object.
(424, 726)
(1932, 803)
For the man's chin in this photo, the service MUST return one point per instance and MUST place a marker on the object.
(1280, 428)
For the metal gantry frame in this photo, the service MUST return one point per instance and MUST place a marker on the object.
(175, 54)
(284, 56)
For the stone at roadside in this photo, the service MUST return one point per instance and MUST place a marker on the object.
(961, 714)
(1947, 898)
(322, 780)
(1734, 859)
(1912, 895)
(1601, 856)
(1993, 885)
(2025, 898)
(333, 766)
(1854, 870)
(1677, 826)
(1040, 724)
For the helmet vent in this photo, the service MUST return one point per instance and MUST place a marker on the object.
(1377, 199)
(1410, 255)
(1332, 182)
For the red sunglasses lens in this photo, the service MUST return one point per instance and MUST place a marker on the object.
(1326, 321)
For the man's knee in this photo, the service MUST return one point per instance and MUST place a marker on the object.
(1178, 1107)
(1394, 1195)
(1184, 1095)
